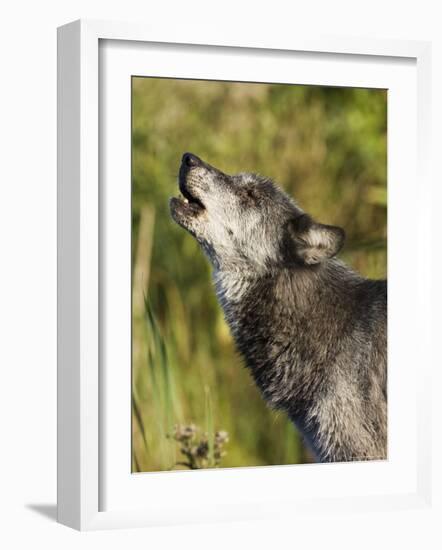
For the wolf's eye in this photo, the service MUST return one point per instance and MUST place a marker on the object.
(249, 197)
(252, 195)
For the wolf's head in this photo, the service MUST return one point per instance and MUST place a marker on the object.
(246, 220)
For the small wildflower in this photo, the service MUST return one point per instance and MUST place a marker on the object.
(194, 446)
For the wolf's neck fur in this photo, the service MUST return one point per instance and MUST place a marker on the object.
(292, 326)
(232, 285)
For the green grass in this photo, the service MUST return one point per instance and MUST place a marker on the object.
(166, 403)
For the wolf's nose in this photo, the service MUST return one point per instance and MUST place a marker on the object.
(190, 160)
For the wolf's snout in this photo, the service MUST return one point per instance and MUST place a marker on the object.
(190, 160)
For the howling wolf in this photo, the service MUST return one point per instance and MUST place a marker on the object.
(312, 332)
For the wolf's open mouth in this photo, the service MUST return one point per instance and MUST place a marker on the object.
(188, 200)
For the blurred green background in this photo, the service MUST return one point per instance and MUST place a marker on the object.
(328, 148)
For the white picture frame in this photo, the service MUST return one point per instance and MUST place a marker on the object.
(84, 450)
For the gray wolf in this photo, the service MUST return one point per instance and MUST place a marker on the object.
(312, 331)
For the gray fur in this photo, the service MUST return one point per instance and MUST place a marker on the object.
(312, 332)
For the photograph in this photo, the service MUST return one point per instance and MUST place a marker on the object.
(259, 267)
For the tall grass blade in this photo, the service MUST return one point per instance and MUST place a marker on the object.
(209, 426)
(139, 419)
(136, 465)
(162, 385)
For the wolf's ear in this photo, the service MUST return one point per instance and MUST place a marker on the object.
(315, 242)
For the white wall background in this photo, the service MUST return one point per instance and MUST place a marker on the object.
(28, 264)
